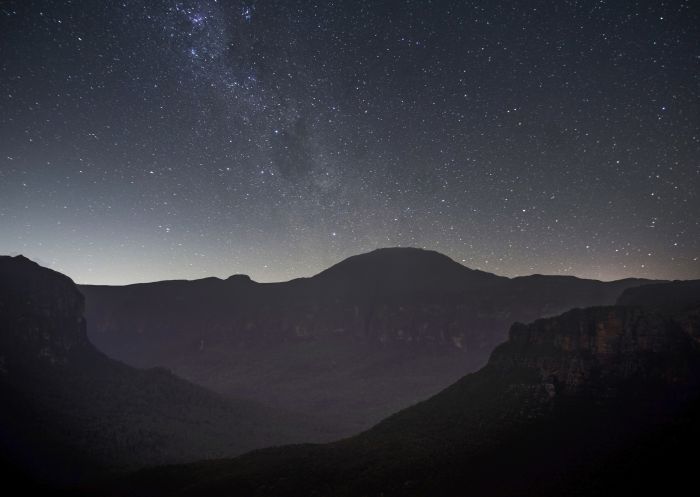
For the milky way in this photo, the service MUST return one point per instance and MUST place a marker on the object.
(145, 140)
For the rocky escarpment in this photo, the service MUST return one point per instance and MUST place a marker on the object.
(42, 316)
(597, 348)
(598, 401)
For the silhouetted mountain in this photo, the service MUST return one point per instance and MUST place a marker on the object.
(599, 401)
(359, 341)
(396, 271)
(68, 410)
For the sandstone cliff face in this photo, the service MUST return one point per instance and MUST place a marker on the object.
(593, 350)
(41, 315)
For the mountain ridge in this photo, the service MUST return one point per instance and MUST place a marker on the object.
(353, 258)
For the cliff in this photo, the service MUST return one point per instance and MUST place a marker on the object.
(42, 316)
(589, 349)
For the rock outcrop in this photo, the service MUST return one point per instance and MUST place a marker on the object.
(42, 315)
(596, 348)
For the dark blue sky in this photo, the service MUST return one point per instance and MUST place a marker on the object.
(146, 140)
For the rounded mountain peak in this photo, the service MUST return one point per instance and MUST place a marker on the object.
(239, 278)
(397, 256)
(401, 269)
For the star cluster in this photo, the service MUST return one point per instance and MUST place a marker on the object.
(145, 140)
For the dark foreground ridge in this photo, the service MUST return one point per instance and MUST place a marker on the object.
(598, 401)
(68, 411)
(363, 339)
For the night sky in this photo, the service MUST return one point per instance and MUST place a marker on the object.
(144, 140)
